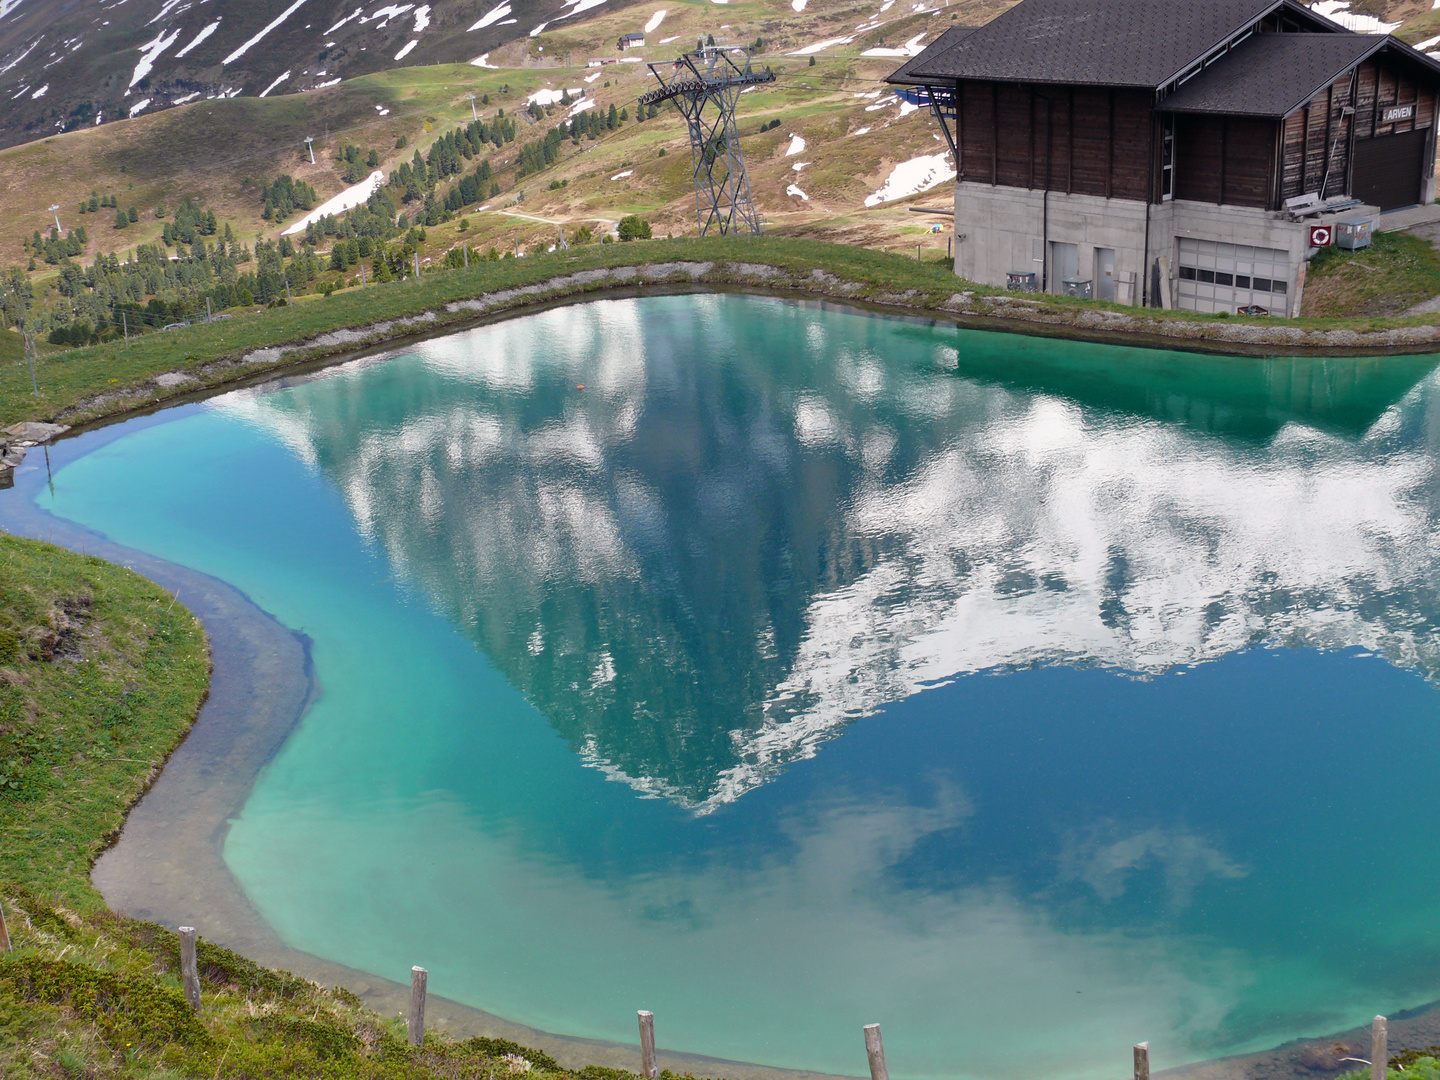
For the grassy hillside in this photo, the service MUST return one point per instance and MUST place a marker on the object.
(220, 151)
(853, 130)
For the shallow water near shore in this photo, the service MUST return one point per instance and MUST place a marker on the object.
(782, 669)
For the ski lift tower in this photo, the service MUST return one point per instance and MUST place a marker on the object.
(705, 85)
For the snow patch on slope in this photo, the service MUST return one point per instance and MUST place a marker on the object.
(385, 14)
(271, 25)
(149, 53)
(579, 6)
(24, 54)
(912, 177)
(343, 21)
(348, 199)
(910, 48)
(548, 96)
(278, 80)
(821, 46)
(1339, 11)
(201, 36)
(494, 15)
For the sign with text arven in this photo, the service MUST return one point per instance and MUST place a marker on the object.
(1392, 113)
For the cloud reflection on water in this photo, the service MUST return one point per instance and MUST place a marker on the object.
(697, 572)
(723, 566)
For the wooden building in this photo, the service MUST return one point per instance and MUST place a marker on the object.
(1138, 143)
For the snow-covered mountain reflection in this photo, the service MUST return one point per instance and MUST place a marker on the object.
(702, 545)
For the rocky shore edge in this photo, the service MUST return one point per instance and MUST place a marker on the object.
(971, 308)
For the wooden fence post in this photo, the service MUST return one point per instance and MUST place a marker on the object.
(189, 967)
(1142, 1061)
(649, 1067)
(4, 931)
(418, 978)
(875, 1051)
(1379, 1048)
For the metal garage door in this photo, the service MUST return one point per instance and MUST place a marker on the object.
(1388, 170)
(1227, 277)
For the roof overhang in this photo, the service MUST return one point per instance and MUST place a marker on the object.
(930, 68)
(1243, 84)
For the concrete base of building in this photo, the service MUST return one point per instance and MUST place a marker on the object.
(1178, 253)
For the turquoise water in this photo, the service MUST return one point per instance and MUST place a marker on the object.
(782, 669)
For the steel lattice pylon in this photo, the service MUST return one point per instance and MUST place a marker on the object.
(705, 86)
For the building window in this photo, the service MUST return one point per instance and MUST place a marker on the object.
(1167, 156)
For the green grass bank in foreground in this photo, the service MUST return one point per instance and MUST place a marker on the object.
(86, 384)
(101, 674)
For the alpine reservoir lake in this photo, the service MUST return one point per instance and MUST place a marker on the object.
(782, 668)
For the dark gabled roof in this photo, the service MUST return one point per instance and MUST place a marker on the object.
(1275, 74)
(1272, 74)
(950, 37)
(1142, 43)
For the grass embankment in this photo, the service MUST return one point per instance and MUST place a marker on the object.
(1397, 271)
(101, 674)
(105, 380)
(68, 378)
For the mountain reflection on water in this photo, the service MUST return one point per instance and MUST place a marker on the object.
(742, 534)
(944, 669)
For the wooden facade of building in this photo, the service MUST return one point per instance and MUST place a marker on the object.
(1109, 141)
(1322, 137)
(1217, 128)
(1091, 140)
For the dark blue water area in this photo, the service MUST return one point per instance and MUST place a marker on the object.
(1265, 752)
(1232, 800)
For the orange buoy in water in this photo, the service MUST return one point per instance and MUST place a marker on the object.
(580, 386)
